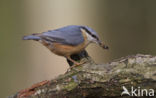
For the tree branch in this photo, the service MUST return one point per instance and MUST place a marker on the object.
(92, 80)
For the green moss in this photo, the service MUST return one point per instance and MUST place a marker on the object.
(124, 80)
(70, 86)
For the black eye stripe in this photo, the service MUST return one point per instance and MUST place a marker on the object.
(87, 31)
(90, 33)
(94, 36)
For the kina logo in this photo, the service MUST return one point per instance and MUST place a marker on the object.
(137, 91)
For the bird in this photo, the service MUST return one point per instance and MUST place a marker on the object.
(68, 40)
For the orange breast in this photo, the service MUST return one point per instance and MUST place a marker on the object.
(66, 50)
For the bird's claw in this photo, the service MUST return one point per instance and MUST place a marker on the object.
(75, 65)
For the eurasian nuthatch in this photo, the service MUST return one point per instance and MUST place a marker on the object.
(67, 40)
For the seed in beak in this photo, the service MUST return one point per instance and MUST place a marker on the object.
(103, 46)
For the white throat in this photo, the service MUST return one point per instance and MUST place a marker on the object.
(89, 37)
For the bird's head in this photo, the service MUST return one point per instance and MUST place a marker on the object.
(93, 37)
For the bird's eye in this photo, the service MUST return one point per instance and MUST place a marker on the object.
(93, 36)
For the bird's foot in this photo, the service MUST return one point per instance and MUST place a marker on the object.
(75, 65)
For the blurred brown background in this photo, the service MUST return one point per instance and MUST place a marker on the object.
(126, 26)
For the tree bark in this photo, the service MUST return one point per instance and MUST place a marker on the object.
(92, 80)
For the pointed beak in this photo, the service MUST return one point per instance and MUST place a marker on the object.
(102, 45)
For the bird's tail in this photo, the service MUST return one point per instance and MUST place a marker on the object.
(32, 37)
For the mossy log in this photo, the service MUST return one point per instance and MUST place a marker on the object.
(92, 80)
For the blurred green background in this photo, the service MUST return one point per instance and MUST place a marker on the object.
(126, 26)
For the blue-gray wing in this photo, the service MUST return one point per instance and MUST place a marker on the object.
(69, 35)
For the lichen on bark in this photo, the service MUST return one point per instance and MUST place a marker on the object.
(100, 80)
